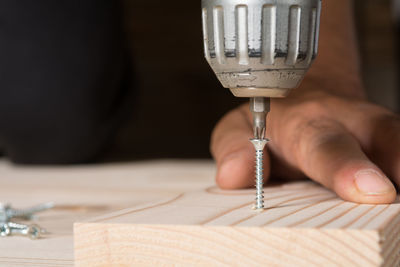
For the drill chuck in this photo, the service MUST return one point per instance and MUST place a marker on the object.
(260, 48)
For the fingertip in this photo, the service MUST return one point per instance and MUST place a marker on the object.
(235, 171)
(366, 184)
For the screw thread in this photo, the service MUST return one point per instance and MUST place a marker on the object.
(18, 226)
(259, 180)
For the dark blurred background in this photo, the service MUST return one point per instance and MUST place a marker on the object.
(65, 67)
(378, 42)
(181, 99)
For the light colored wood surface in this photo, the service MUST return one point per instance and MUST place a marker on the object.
(83, 192)
(304, 225)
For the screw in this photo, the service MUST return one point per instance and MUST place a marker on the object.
(7, 212)
(33, 231)
(259, 145)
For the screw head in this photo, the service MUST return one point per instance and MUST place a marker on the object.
(5, 230)
(259, 144)
(34, 231)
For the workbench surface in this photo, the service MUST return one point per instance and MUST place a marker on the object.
(85, 191)
(126, 210)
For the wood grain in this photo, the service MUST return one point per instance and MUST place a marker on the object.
(83, 192)
(303, 225)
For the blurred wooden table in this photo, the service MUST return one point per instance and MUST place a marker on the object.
(86, 191)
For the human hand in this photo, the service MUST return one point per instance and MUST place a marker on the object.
(344, 143)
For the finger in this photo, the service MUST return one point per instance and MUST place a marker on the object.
(382, 139)
(233, 152)
(329, 154)
(378, 131)
(386, 146)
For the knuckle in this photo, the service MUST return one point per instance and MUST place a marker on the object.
(297, 115)
(314, 133)
(308, 109)
(313, 107)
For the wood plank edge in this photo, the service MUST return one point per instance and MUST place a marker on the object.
(96, 243)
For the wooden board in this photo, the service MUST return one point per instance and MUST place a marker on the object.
(83, 192)
(303, 225)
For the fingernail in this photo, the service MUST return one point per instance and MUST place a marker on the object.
(371, 182)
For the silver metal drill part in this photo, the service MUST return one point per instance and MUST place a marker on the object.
(260, 47)
(7, 212)
(259, 145)
(259, 107)
(32, 231)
